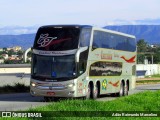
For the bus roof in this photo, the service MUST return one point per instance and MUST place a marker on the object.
(59, 26)
(89, 26)
(114, 32)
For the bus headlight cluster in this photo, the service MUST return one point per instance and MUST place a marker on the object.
(71, 85)
(33, 84)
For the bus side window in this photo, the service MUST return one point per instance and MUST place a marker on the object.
(96, 40)
(82, 62)
(82, 67)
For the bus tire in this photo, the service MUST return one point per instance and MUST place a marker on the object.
(121, 92)
(88, 94)
(126, 90)
(95, 92)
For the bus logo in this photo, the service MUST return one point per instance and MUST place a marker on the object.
(104, 84)
(44, 40)
(130, 60)
(114, 84)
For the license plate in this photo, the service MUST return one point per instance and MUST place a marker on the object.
(50, 93)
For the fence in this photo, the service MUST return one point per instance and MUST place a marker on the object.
(147, 69)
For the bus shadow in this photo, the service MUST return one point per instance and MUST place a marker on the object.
(26, 97)
(20, 97)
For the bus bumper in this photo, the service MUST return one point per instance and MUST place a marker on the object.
(53, 93)
(53, 89)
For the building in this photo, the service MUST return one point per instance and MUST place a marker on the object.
(5, 56)
(17, 48)
(14, 57)
(1, 61)
(1, 49)
(147, 69)
(8, 49)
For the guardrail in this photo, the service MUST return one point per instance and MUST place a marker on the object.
(15, 65)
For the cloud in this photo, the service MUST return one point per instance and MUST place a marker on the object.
(31, 12)
(16, 30)
(134, 22)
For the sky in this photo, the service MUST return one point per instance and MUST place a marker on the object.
(90, 12)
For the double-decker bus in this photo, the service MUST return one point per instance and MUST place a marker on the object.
(82, 61)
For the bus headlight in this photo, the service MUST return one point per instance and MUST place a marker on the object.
(33, 84)
(71, 85)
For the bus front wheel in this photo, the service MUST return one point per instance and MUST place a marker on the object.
(95, 92)
(88, 94)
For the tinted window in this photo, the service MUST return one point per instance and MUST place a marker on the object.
(85, 37)
(52, 38)
(54, 67)
(101, 40)
(113, 41)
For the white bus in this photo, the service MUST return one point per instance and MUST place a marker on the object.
(82, 61)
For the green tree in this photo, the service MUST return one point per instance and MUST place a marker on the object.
(29, 54)
(12, 61)
(1, 57)
(141, 49)
(156, 56)
(4, 49)
(140, 58)
(142, 46)
(20, 53)
(11, 52)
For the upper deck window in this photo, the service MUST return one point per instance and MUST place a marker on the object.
(57, 38)
(113, 41)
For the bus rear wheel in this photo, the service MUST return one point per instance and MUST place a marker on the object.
(121, 92)
(126, 90)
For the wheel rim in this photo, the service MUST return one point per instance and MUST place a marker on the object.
(96, 92)
(126, 89)
(88, 92)
(121, 90)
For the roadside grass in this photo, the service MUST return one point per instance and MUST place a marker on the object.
(87, 109)
(157, 75)
(153, 76)
(16, 88)
(148, 81)
(145, 101)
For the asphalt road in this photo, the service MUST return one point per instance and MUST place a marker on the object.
(23, 101)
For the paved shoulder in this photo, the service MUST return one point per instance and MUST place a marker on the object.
(19, 101)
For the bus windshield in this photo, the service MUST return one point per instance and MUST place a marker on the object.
(57, 38)
(54, 67)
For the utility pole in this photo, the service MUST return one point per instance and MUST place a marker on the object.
(152, 58)
(151, 53)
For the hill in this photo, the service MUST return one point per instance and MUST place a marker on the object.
(24, 40)
(150, 33)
